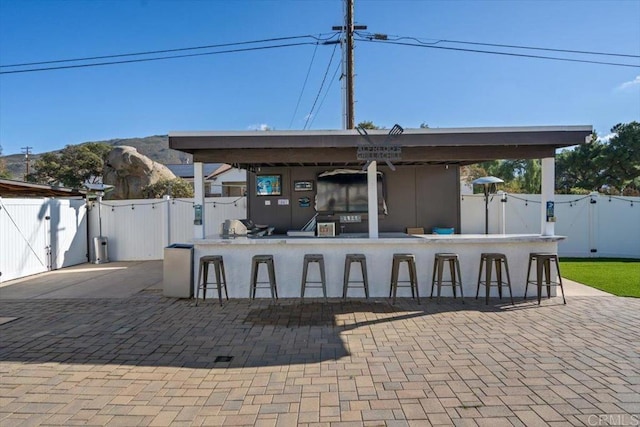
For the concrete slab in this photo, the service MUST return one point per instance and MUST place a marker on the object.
(111, 280)
(575, 289)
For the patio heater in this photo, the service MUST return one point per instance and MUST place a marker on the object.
(100, 246)
(489, 184)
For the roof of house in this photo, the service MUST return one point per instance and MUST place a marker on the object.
(186, 170)
(340, 147)
(11, 188)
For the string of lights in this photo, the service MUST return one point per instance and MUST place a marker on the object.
(630, 201)
(159, 202)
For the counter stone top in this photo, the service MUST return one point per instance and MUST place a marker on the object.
(385, 238)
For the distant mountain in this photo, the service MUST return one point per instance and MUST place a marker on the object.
(155, 147)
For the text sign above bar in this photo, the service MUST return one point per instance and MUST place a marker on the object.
(379, 152)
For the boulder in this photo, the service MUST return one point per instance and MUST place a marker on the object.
(130, 171)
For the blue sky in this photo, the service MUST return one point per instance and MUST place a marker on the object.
(394, 84)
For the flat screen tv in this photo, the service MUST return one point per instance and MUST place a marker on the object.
(269, 185)
(345, 191)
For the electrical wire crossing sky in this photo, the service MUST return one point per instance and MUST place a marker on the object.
(72, 72)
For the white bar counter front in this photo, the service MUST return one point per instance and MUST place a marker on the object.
(288, 253)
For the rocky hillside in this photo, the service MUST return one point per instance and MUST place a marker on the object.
(155, 147)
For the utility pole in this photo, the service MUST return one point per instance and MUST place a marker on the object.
(348, 63)
(26, 151)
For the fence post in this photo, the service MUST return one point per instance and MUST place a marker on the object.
(503, 203)
(593, 223)
(547, 195)
(199, 222)
(166, 237)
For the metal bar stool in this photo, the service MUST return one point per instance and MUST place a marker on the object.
(410, 259)
(319, 259)
(203, 276)
(438, 268)
(256, 261)
(487, 261)
(362, 260)
(543, 262)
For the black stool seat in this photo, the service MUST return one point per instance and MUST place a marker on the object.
(543, 262)
(454, 272)
(256, 262)
(410, 259)
(487, 261)
(203, 276)
(313, 258)
(348, 260)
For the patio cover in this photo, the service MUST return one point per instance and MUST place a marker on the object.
(251, 149)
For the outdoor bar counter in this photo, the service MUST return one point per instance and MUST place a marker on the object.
(288, 253)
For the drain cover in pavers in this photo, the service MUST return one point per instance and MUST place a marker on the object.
(220, 359)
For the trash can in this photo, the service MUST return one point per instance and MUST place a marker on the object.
(177, 268)
(100, 250)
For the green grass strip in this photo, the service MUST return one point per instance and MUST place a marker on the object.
(618, 276)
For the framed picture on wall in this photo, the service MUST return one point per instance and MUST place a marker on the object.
(269, 185)
(326, 229)
(303, 186)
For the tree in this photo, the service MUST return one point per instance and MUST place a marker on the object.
(612, 167)
(580, 169)
(622, 159)
(72, 166)
(367, 125)
(519, 176)
(176, 187)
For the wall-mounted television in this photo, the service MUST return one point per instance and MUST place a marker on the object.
(346, 191)
(269, 185)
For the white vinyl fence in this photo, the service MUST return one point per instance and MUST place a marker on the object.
(41, 234)
(140, 229)
(595, 225)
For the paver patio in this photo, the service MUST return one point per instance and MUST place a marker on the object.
(144, 359)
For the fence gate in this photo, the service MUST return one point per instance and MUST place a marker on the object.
(41, 234)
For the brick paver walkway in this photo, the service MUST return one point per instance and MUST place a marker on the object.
(150, 360)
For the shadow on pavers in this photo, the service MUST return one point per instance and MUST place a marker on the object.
(151, 330)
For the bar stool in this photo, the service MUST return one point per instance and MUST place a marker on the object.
(487, 260)
(438, 267)
(203, 275)
(362, 260)
(543, 265)
(410, 259)
(315, 258)
(256, 261)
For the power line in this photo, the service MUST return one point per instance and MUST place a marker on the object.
(326, 92)
(521, 55)
(96, 64)
(431, 43)
(304, 85)
(152, 52)
(324, 78)
(584, 52)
